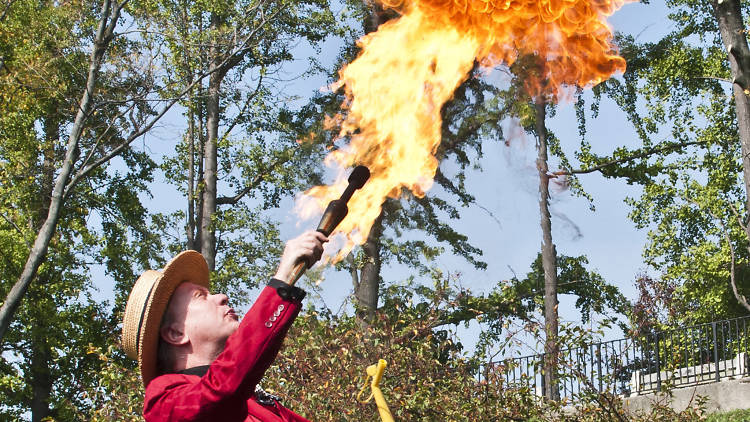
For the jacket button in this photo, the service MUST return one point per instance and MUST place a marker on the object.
(280, 308)
(276, 313)
(272, 319)
(269, 324)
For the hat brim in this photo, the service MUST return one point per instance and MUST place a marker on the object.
(150, 297)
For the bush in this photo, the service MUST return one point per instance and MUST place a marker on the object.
(323, 368)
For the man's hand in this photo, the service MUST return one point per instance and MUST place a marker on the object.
(308, 246)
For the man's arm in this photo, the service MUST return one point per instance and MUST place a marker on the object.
(232, 377)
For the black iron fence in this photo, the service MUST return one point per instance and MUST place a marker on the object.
(684, 356)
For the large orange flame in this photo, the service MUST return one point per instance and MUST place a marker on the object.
(411, 66)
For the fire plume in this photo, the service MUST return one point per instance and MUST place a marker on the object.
(411, 66)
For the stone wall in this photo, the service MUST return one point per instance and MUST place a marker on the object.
(721, 396)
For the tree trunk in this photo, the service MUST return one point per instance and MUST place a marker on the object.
(376, 16)
(190, 229)
(40, 373)
(210, 151)
(366, 290)
(729, 18)
(41, 378)
(190, 226)
(549, 256)
(44, 235)
(369, 280)
(198, 198)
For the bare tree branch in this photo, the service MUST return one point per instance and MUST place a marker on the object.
(85, 170)
(643, 154)
(233, 58)
(18, 229)
(739, 220)
(606, 401)
(714, 78)
(245, 106)
(231, 200)
(104, 132)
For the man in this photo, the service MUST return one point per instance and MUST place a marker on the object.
(198, 362)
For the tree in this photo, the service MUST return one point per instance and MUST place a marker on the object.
(239, 155)
(692, 162)
(45, 360)
(549, 256)
(104, 125)
(728, 15)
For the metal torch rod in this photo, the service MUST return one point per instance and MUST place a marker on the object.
(334, 213)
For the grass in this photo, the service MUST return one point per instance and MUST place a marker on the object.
(733, 416)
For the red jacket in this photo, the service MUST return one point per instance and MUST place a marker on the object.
(226, 392)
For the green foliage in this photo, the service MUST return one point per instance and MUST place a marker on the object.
(594, 294)
(116, 394)
(689, 161)
(661, 411)
(322, 370)
(429, 377)
(46, 365)
(260, 161)
(321, 367)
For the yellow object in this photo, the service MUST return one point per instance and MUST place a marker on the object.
(376, 372)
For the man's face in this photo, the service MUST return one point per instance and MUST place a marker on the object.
(208, 319)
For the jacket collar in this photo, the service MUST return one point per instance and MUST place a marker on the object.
(261, 395)
(196, 370)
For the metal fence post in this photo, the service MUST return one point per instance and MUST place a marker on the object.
(716, 351)
(544, 385)
(658, 364)
(599, 364)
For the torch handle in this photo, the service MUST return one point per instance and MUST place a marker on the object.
(299, 268)
(335, 212)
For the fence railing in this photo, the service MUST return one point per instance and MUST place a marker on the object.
(675, 358)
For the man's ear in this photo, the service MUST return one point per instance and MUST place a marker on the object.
(173, 334)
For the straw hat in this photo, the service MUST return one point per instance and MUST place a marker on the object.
(146, 305)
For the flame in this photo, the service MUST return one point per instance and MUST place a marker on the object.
(411, 66)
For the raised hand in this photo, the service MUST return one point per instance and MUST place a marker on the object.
(308, 247)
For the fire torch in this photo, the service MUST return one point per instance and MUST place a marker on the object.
(335, 212)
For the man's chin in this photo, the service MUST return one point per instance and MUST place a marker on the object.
(228, 330)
